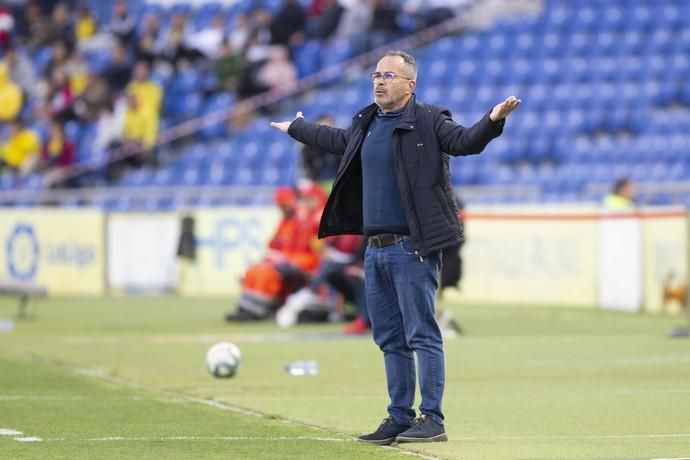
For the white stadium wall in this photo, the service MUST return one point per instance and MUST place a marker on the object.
(575, 256)
(228, 241)
(530, 255)
(141, 252)
(558, 256)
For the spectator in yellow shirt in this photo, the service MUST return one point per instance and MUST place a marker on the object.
(139, 134)
(148, 92)
(21, 150)
(140, 125)
(85, 26)
(622, 198)
(11, 97)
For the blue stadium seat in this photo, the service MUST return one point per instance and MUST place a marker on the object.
(307, 58)
(601, 81)
(189, 80)
(336, 52)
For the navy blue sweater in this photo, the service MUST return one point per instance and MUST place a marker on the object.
(383, 210)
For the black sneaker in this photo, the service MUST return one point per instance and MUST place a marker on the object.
(385, 434)
(424, 430)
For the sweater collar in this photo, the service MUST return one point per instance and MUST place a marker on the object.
(407, 121)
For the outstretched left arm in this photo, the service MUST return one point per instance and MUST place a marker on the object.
(458, 140)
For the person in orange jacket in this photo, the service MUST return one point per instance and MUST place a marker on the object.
(284, 270)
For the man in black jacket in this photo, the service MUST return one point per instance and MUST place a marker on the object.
(393, 186)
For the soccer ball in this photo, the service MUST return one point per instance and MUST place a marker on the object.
(223, 359)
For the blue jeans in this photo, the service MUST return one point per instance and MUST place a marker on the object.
(401, 295)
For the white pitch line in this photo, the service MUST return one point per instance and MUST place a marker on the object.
(678, 391)
(567, 437)
(10, 432)
(62, 398)
(39, 398)
(99, 374)
(231, 439)
(675, 458)
(29, 439)
(200, 438)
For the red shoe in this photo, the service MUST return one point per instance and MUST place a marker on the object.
(358, 326)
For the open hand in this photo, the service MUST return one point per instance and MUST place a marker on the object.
(284, 125)
(502, 110)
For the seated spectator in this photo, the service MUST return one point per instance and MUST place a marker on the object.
(140, 126)
(37, 36)
(86, 25)
(229, 67)
(148, 42)
(316, 8)
(109, 126)
(255, 56)
(139, 134)
(77, 72)
(334, 258)
(119, 72)
(311, 200)
(92, 99)
(11, 97)
(260, 28)
(324, 26)
(355, 23)
(173, 45)
(60, 27)
(277, 73)
(340, 270)
(288, 24)
(22, 149)
(23, 73)
(59, 97)
(350, 282)
(19, 26)
(148, 93)
(6, 27)
(622, 197)
(58, 152)
(238, 35)
(384, 23)
(283, 271)
(59, 58)
(123, 24)
(207, 41)
(431, 12)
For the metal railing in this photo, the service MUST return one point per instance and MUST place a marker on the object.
(475, 17)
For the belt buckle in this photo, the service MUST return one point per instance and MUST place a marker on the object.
(376, 241)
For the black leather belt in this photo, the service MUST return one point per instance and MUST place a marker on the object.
(385, 239)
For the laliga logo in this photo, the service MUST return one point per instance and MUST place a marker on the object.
(22, 253)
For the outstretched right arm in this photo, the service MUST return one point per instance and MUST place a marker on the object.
(327, 138)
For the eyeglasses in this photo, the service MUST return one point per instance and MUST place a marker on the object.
(387, 76)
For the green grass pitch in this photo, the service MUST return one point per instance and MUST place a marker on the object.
(124, 378)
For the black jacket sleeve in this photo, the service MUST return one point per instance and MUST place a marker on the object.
(457, 140)
(326, 138)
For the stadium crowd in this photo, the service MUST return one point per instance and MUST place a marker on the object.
(68, 66)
